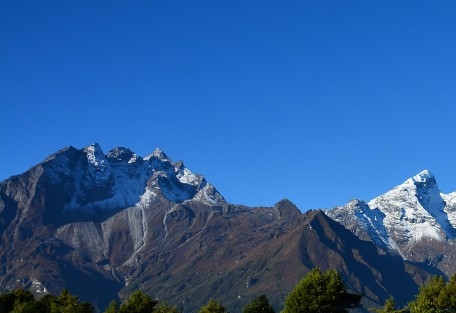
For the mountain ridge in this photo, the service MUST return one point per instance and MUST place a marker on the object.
(412, 216)
(83, 219)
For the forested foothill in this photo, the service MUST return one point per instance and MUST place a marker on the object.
(317, 292)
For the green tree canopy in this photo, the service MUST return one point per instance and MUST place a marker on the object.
(389, 307)
(138, 302)
(16, 301)
(447, 296)
(165, 308)
(68, 303)
(113, 307)
(435, 296)
(213, 306)
(23, 301)
(259, 305)
(321, 292)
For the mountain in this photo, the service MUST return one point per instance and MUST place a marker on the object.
(103, 225)
(414, 220)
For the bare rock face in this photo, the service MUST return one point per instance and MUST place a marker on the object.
(85, 215)
(103, 225)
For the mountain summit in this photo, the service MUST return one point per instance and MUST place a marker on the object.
(105, 224)
(119, 179)
(411, 215)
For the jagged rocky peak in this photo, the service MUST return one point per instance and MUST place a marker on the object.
(356, 203)
(423, 182)
(122, 154)
(58, 165)
(347, 212)
(91, 180)
(64, 151)
(96, 157)
(423, 177)
(410, 214)
(158, 154)
(415, 209)
(421, 188)
(286, 209)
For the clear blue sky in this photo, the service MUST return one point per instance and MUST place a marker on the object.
(315, 101)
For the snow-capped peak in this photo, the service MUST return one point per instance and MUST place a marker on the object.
(423, 176)
(415, 209)
(159, 154)
(406, 215)
(123, 179)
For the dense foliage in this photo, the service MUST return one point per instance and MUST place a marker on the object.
(213, 306)
(138, 302)
(259, 305)
(389, 307)
(437, 296)
(321, 292)
(316, 292)
(23, 301)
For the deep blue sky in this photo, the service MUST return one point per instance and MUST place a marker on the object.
(315, 101)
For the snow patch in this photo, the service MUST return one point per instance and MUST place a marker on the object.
(147, 197)
(96, 157)
(209, 195)
(123, 179)
(158, 154)
(38, 287)
(187, 177)
(423, 176)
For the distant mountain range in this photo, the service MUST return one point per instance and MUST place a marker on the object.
(103, 225)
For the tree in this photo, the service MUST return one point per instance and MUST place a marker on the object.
(447, 297)
(113, 307)
(435, 296)
(321, 292)
(389, 307)
(259, 305)
(14, 301)
(213, 306)
(7, 302)
(46, 302)
(138, 302)
(68, 303)
(30, 307)
(428, 297)
(165, 308)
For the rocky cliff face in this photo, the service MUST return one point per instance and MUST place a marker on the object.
(103, 225)
(85, 214)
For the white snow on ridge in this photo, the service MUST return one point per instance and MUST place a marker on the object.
(123, 179)
(409, 213)
(372, 222)
(209, 195)
(422, 176)
(133, 159)
(187, 177)
(159, 154)
(450, 207)
(130, 181)
(405, 217)
(96, 157)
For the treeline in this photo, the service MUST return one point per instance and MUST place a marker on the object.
(316, 292)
